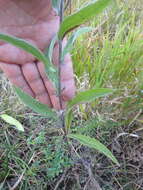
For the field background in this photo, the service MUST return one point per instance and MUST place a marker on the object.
(109, 56)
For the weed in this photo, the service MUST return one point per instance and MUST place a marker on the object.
(112, 115)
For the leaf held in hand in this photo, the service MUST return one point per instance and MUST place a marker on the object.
(34, 104)
(51, 70)
(10, 120)
(93, 143)
(83, 15)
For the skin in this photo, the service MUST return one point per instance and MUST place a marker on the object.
(36, 22)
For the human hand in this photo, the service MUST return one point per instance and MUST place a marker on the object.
(36, 22)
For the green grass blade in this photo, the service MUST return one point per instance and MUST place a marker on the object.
(10, 120)
(51, 70)
(93, 143)
(83, 15)
(34, 104)
(89, 95)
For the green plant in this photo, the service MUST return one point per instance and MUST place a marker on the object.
(67, 24)
(54, 158)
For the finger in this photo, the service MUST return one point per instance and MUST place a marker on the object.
(36, 83)
(52, 92)
(67, 75)
(12, 54)
(67, 80)
(14, 74)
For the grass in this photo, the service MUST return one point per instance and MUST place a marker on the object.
(111, 57)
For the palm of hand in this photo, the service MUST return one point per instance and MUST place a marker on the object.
(36, 22)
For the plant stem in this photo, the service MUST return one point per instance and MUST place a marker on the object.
(60, 51)
(60, 64)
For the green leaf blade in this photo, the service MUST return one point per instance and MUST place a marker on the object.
(49, 54)
(83, 15)
(72, 39)
(89, 95)
(10, 120)
(36, 106)
(93, 143)
(49, 50)
(51, 70)
(23, 44)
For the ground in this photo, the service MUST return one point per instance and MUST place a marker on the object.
(40, 159)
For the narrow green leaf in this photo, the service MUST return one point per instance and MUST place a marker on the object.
(72, 39)
(10, 120)
(92, 9)
(49, 51)
(34, 104)
(93, 143)
(51, 70)
(68, 119)
(89, 95)
(20, 43)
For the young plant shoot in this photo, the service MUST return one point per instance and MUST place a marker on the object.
(67, 24)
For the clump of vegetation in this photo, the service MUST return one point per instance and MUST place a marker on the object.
(112, 60)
